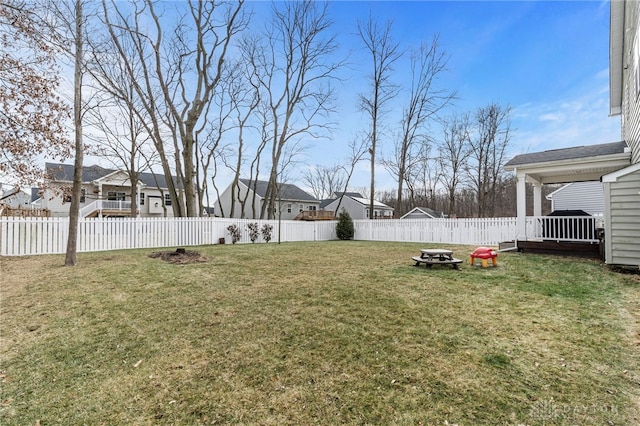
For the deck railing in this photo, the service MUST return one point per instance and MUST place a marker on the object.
(99, 205)
(563, 228)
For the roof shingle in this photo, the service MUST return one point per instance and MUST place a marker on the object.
(568, 153)
(64, 173)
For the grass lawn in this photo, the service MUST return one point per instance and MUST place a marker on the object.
(317, 333)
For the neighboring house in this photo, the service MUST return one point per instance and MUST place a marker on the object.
(356, 205)
(422, 213)
(616, 165)
(105, 192)
(585, 196)
(248, 197)
(14, 198)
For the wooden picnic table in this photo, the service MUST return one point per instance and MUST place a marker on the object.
(432, 257)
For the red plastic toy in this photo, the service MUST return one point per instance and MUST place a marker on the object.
(484, 254)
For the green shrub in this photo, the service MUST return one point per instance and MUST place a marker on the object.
(344, 228)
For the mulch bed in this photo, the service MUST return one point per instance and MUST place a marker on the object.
(179, 256)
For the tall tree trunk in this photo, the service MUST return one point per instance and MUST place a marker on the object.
(74, 209)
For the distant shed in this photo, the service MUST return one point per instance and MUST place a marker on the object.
(423, 213)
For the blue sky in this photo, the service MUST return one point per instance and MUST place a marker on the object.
(548, 60)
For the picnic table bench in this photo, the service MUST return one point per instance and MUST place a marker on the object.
(432, 257)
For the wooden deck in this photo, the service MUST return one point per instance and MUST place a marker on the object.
(559, 248)
(310, 215)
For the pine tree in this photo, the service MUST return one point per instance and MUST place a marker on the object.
(344, 228)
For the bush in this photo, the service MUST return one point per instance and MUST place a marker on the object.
(344, 228)
(253, 231)
(266, 232)
(234, 231)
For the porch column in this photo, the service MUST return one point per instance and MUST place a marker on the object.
(537, 199)
(521, 205)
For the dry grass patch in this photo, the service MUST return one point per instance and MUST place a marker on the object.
(328, 333)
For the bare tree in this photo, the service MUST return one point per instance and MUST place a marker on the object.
(69, 30)
(384, 51)
(243, 87)
(324, 181)
(122, 138)
(454, 150)
(32, 116)
(184, 69)
(488, 147)
(295, 68)
(359, 148)
(426, 100)
(122, 141)
(78, 72)
(427, 176)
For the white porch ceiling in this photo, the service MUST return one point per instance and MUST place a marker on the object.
(576, 170)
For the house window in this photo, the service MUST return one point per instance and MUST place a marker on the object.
(312, 208)
(367, 212)
(288, 208)
(167, 199)
(116, 196)
(142, 198)
(301, 208)
(83, 195)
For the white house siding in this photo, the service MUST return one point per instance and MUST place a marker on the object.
(622, 239)
(59, 208)
(631, 98)
(223, 205)
(586, 196)
(20, 199)
(354, 208)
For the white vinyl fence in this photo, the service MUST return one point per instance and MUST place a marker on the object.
(31, 236)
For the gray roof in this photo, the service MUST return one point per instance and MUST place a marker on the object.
(426, 210)
(348, 194)
(572, 153)
(64, 173)
(287, 191)
(355, 196)
(416, 211)
(326, 202)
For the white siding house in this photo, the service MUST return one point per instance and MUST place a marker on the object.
(614, 164)
(622, 187)
(246, 199)
(105, 192)
(14, 197)
(585, 196)
(357, 206)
